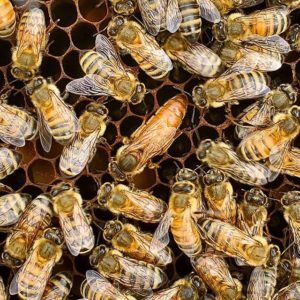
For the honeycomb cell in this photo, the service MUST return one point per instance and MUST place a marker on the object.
(129, 125)
(216, 116)
(16, 98)
(149, 82)
(128, 60)
(64, 12)
(277, 221)
(110, 133)
(202, 133)
(161, 191)
(32, 190)
(191, 119)
(145, 107)
(5, 57)
(50, 68)
(180, 147)
(17, 84)
(183, 260)
(15, 180)
(192, 162)
(83, 35)
(88, 187)
(179, 75)
(103, 215)
(27, 152)
(165, 93)
(117, 109)
(80, 107)
(93, 10)
(100, 161)
(71, 65)
(229, 135)
(168, 169)
(283, 75)
(59, 42)
(55, 150)
(41, 171)
(145, 180)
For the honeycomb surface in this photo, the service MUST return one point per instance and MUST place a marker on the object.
(73, 28)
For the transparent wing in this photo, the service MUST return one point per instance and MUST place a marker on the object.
(6, 207)
(44, 132)
(256, 287)
(173, 16)
(209, 11)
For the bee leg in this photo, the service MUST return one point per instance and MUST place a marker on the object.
(65, 95)
(152, 165)
(102, 140)
(6, 188)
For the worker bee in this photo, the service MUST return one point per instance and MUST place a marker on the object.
(262, 282)
(31, 43)
(252, 212)
(134, 204)
(56, 119)
(293, 37)
(133, 274)
(9, 161)
(36, 217)
(218, 193)
(11, 207)
(215, 273)
(221, 156)
(290, 292)
(260, 113)
(81, 150)
(67, 204)
(150, 139)
(7, 19)
(58, 287)
(184, 201)
(105, 75)
(234, 242)
(191, 287)
(134, 243)
(16, 124)
(195, 58)
(124, 7)
(2, 290)
(31, 279)
(133, 39)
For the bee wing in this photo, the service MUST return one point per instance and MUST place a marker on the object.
(5, 207)
(173, 16)
(161, 236)
(44, 132)
(165, 294)
(209, 11)
(256, 287)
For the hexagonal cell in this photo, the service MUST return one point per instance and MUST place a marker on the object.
(15, 180)
(64, 12)
(191, 119)
(32, 190)
(145, 180)
(71, 65)
(41, 171)
(110, 133)
(183, 266)
(179, 75)
(16, 98)
(161, 191)
(168, 169)
(202, 133)
(5, 57)
(180, 147)
(166, 93)
(116, 109)
(55, 150)
(28, 152)
(145, 107)
(88, 187)
(100, 161)
(59, 42)
(83, 35)
(129, 125)
(216, 116)
(50, 68)
(93, 10)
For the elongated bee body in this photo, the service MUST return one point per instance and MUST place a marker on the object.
(7, 19)
(9, 161)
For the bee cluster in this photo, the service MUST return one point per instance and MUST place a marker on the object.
(149, 149)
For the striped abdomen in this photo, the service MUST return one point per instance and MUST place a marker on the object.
(92, 63)
(7, 19)
(9, 161)
(191, 20)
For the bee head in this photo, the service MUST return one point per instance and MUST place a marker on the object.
(104, 193)
(54, 234)
(197, 283)
(187, 174)
(293, 36)
(98, 109)
(97, 254)
(198, 96)
(34, 84)
(139, 93)
(125, 7)
(274, 256)
(290, 198)
(59, 188)
(214, 176)
(115, 25)
(219, 31)
(24, 75)
(115, 171)
(111, 229)
(295, 112)
(284, 96)
(203, 149)
(257, 197)
(10, 261)
(183, 187)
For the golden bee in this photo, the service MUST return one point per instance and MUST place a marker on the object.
(252, 212)
(131, 203)
(190, 287)
(31, 43)
(133, 39)
(105, 75)
(150, 139)
(36, 217)
(16, 124)
(9, 161)
(31, 279)
(2, 290)
(132, 274)
(260, 113)
(195, 58)
(219, 197)
(7, 19)
(262, 281)
(11, 207)
(134, 243)
(293, 37)
(290, 292)
(67, 204)
(214, 271)
(124, 7)
(184, 202)
(56, 119)
(81, 150)
(58, 287)
(221, 156)
(234, 242)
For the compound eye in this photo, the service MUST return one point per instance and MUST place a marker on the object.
(16, 70)
(102, 249)
(90, 108)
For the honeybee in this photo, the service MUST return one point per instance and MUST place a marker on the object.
(58, 287)
(237, 83)
(221, 156)
(290, 292)
(252, 212)
(295, 270)
(225, 7)
(150, 139)
(97, 287)
(67, 204)
(9, 161)
(133, 39)
(76, 155)
(105, 75)
(31, 279)
(134, 243)
(234, 242)
(260, 113)
(2, 290)
(215, 273)
(134, 204)
(184, 201)
(195, 58)
(262, 282)
(291, 4)
(36, 217)
(124, 7)
(218, 193)
(56, 119)
(7, 19)
(191, 287)
(293, 37)
(11, 207)
(132, 274)
(31, 43)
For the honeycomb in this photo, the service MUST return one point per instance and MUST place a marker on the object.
(73, 28)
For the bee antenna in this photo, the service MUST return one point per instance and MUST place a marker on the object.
(181, 90)
(277, 200)
(197, 135)
(99, 4)
(200, 167)
(139, 21)
(177, 166)
(287, 248)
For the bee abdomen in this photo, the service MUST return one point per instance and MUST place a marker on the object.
(7, 19)
(91, 63)
(9, 162)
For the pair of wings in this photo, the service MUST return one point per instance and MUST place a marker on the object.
(78, 233)
(165, 14)
(292, 161)
(5, 159)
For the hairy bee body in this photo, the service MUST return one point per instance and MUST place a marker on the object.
(290, 292)
(9, 161)
(36, 217)
(7, 19)
(293, 36)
